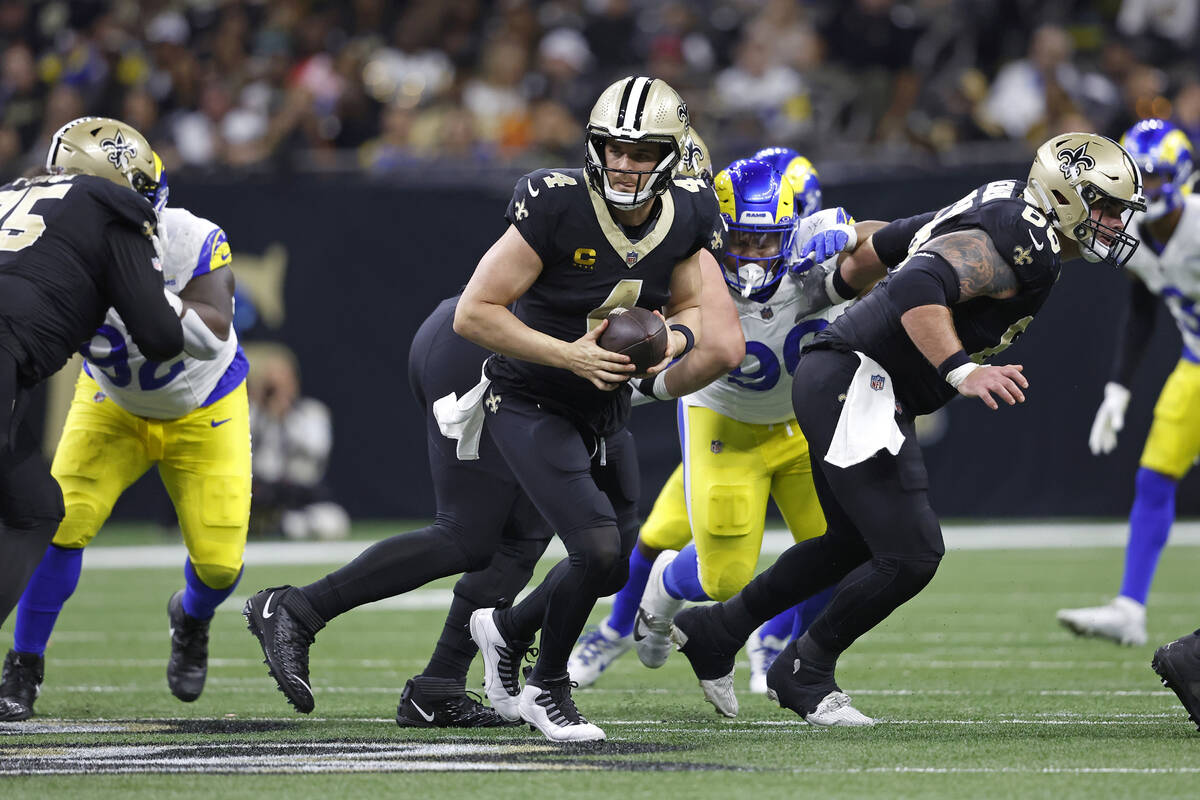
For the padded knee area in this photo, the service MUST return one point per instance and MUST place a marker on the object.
(911, 574)
(217, 576)
(597, 551)
(79, 524)
(726, 579)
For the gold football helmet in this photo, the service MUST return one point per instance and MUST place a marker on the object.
(109, 148)
(696, 161)
(636, 109)
(1076, 172)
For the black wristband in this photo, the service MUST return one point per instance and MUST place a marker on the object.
(952, 363)
(687, 334)
(844, 290)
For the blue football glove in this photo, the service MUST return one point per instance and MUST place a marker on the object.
(824, 245)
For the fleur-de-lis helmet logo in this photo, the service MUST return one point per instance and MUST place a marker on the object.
(118, 150)
(1073, 162)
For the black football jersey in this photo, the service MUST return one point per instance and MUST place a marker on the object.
(590, 266)
(986, 326)
(71, 246)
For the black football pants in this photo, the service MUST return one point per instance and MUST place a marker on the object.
(31, 504)
(588, 494)
(882, 535)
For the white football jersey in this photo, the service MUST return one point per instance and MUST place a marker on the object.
(167, 390)
(760, 390)
(1175, 273)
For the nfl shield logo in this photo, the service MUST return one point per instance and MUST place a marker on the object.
(631, 258)
(877, 382)
(767, 313)
(99, 397)
(716, 446)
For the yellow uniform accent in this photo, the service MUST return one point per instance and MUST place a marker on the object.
(1174, 440)
(205, 469)
(730, 468)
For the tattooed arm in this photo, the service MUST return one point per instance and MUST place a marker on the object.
(980, 272)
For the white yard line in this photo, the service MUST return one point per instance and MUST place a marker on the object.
(1000, 536)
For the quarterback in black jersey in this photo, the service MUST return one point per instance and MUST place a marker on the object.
(964, 283)
(624, 231)
(72, 244)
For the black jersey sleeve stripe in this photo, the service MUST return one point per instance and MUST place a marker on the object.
(624, 102)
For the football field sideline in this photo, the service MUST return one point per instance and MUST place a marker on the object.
(992, 536)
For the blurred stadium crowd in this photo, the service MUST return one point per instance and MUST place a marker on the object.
(386, 86)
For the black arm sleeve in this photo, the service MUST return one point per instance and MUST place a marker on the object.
(1133, 332)
(926, 280)
(892, 240)
(136, 292)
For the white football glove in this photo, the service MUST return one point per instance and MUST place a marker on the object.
(1110, 419)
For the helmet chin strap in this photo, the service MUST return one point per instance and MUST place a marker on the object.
(626, 201)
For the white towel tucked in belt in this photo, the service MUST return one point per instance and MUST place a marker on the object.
(462, 419)
(868, 421)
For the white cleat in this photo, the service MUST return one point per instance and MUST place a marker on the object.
(763, 650)
(652, 628)
(595, 652)
(552, 711)
(835, 711)
(720, 693)
(1123, 621)
(501, 664)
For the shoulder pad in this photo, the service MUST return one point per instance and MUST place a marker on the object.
(125, 204)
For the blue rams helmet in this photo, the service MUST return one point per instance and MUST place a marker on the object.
(800, 173)
(1162, 150)
(758, 206)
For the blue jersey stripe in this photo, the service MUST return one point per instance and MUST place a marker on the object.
(235, 373)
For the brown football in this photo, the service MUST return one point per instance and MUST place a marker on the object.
(638, 333)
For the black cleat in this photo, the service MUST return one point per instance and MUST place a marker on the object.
(709, 650)
(444, 703)
(20, 684)
(285, 625)
(811, 692)
(188, 665)
(1178, 666)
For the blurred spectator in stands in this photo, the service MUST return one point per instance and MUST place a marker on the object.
(495, 98)
(1029, 91)
(393, 148)
(1163, 30)
(557, 137)
(564, 72)
(1143, 95)
(21, 96)
(758, 87)
(1187, 109)
(292, 438)
(611, 30)
(876, 41)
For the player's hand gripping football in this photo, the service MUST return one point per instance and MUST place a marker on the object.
(676, 342)
(605, 369)
(1005, 381)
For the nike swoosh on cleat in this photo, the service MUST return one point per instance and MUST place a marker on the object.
(217, 423)
(267, 613)
(421, 711)
(532, 191)
(639, 632)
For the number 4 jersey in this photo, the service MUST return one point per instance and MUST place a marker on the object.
(192, 246)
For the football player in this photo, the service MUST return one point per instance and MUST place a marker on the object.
(967, 280)
(622, 231)
(739, 437)
(1166, 264)
(132, 410)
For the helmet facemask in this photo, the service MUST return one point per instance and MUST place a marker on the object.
(656, 180)
(1100, 242)
(757, 277)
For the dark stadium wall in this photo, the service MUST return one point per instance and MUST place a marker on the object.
(343, 269)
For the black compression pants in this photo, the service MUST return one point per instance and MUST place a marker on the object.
(588, 492)
(31, 504)
(882, 535)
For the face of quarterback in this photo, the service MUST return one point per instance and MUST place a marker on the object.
(626, 160)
